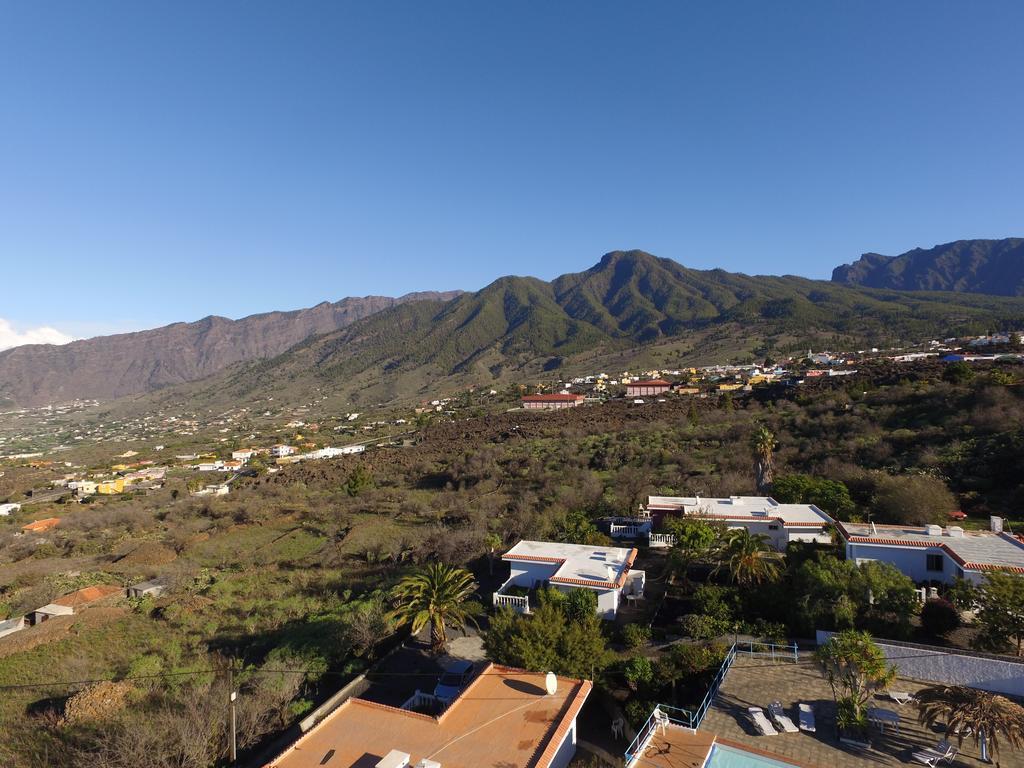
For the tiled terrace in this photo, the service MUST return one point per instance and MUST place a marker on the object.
(675, 747)
(758, 682)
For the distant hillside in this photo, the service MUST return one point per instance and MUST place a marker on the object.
(628, 302)
(132, 363)
(994, 267)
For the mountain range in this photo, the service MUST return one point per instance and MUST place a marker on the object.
(994, 267)
(630, 308)
(108, 367)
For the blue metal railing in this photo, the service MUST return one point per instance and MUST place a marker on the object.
(693, 718)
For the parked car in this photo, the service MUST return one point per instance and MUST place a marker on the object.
(957, 515)
(453, 680)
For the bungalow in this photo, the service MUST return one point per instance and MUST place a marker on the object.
(7, 509)
(39, 526)
(931, 553)
(110, 487)
(781, 523)
(243, 455)
(604, 570)
(83, 487)
(280, 451)
(70, 603)
(505, 717)
(152, 588)
(551, 402)
(647, 388)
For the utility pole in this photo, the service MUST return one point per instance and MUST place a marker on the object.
(233, 696)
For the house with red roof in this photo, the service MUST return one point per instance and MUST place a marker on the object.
(933, 553)
(551, 402)
(649, 388)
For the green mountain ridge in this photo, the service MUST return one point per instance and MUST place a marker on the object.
(628, 303)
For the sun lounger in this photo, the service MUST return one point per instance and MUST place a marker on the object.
(806, 718)
(943, 751)
(764, 727)
(901, 697)
(780, 718)
(926, 757)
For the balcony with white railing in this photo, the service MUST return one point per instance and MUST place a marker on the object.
(629, 528)
(660, 540)
(518, 603)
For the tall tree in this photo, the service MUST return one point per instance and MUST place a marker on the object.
(763, 443)
(855, 668)
(986, 716)
(492, 542)
(749, 558)
(438, 595)
(694, 541)
(1001, 610)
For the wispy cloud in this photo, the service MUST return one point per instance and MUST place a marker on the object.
(11, 337)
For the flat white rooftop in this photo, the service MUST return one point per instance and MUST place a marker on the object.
(577, 562)
(741, 508)
(971, 549)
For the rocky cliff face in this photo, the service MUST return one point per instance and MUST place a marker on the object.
(132, 363)
(995, 267)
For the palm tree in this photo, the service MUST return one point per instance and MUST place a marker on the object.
(985, 716)
(748, 557)
(763, 443)
(436, 595)
(492, 542)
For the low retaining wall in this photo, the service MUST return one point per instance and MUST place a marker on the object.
(999, 674)
(357, 687)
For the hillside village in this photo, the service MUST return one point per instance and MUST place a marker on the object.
(223, 468)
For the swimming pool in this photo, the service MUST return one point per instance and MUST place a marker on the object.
(727, 757)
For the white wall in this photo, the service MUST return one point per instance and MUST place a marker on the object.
(607, 603)
(525, 574)
(937, 666)
(911, 561)
(566, 750)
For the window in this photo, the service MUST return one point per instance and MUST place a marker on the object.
(935, 562)
(773, 527)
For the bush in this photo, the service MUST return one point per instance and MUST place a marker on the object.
(638, 671)
(699, 627)
(634, 635)
(939, 616)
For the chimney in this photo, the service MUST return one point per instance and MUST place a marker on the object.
(612, 572)
(933, 530)
(425, 763)
(955, 532)
(995, 524)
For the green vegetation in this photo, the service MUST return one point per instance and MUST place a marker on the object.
(988, 718)
(438, 596)
(855, 668)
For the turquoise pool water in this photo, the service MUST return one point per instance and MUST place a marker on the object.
(726, 757)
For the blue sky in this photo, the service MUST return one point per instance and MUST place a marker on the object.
(164, 161)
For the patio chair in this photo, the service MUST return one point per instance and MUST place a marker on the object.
(780, 718)
(661, 721)
(618, 727)
(806, 718)
(761, 723)
(901, 697)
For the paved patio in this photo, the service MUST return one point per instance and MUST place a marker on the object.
(758, 682)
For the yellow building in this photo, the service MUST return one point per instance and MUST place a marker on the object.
(729, 387)
(109, 487)
(119, 468)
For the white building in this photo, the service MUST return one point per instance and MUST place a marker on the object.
(781, 523)
(83, 487)
(7, 509)
(280, 451)
(931, 553)
(243, 455)
(604, 570)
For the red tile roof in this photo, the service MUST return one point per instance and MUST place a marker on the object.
(503, 717)
(651, 383)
